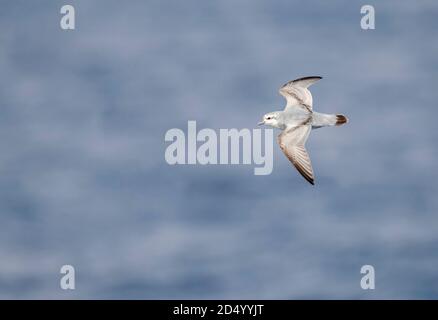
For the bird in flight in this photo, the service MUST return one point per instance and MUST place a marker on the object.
(297, 120)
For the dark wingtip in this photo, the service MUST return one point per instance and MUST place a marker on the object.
(307, 78)
(341, 119)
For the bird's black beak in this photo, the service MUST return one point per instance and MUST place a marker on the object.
(261, 123)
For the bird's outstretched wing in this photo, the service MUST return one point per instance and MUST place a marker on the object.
(297, 94)
(292, 142)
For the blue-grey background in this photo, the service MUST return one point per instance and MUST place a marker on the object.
(83, 180)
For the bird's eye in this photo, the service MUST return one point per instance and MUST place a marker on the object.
(268, 118)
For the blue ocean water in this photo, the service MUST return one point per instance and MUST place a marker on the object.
(84, 181)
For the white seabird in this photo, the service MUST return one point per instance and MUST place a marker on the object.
(297, 120)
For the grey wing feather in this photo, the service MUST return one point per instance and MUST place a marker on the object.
(297, 94)
(292, 143)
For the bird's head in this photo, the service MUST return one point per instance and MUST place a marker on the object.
(271, 119)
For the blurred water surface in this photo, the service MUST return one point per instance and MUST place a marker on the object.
(83, 178)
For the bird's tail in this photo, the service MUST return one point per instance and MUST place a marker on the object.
(324, 120)
(340, 120)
